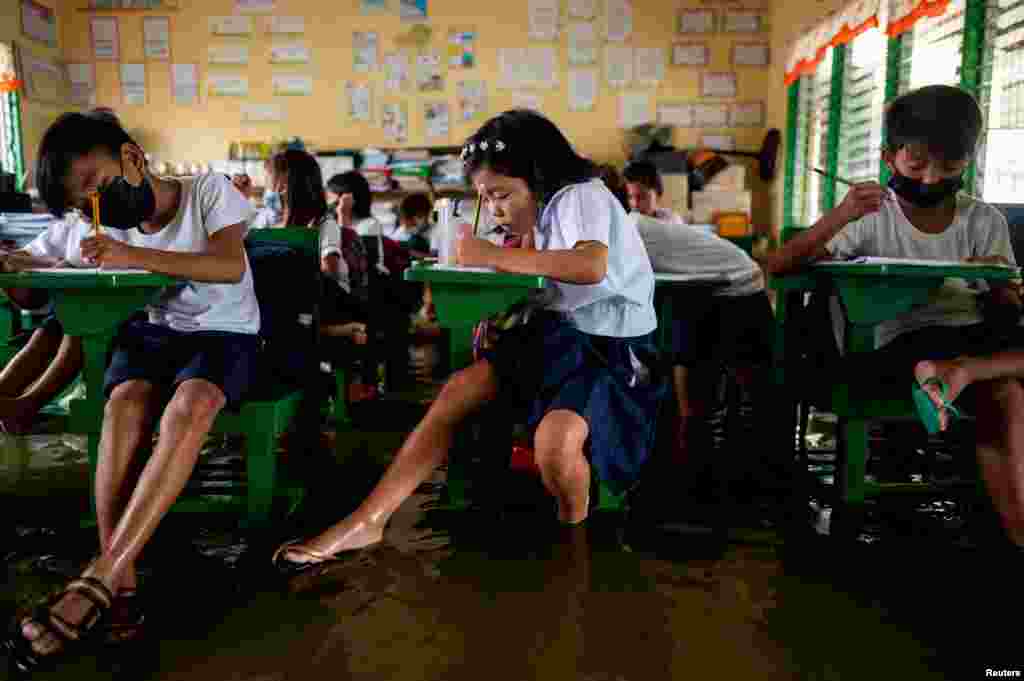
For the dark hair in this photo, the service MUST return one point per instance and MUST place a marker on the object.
(304, 199)
(415, 206)
(104, 113)
(645, 173)
(943, 119)
(355, 184)
(524, 144)
(613, 180)
(70, 137)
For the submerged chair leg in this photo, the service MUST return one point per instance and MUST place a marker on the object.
(261, 466)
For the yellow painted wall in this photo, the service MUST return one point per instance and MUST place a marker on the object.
(203, 132)
(35, 116)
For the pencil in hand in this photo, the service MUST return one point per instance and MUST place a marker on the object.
(838, 179)
(476, 218)
(95, 200)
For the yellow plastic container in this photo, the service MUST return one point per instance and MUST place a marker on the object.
(732, 224)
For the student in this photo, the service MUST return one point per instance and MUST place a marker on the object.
(414, 224)
(644, 189)
(579, 369)
(930, 138)
(196, 343)
(351, 193)
(272, 212)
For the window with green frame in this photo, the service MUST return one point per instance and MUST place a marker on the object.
(1000, 168)
(11, 159)
(863, 101)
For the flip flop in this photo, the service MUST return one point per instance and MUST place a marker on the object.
(926, 409)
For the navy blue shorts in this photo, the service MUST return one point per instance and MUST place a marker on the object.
(164, 357)
(724, 330)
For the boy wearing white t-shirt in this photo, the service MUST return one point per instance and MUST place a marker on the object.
(196, 342)
(967, 333)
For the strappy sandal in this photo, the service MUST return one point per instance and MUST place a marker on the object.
(24, 659)
(291, 568)
(926, 409)
(126, 621)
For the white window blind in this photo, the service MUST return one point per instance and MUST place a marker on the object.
(1001, 159)
(863, 104)
(932, 50)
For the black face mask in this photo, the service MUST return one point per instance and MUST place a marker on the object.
(924, 195)
(123, 206)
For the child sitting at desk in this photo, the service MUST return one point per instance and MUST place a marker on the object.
(930, 138)
(579, 368)
(644, 190)
(196, 343)
(414, 225)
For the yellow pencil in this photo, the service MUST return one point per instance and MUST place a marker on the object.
(476, 219)
(838, 179)
(95, 198)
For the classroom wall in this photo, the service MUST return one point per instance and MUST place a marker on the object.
(35, 116)
(203, 132)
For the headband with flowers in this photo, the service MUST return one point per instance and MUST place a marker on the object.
(482, 146)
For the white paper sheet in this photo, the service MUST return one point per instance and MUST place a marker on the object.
(582, 43)
(463, 268)
(720, 142)
(695, 21)
(395, 121)
(255, 6)
(156, 34)
(435, 120)
(634, 109)
(359, 98)
(291, 84)
(290, 53)
(396, 71)
(618, 65)
(364, 51)
(718, 84)
(743, 21)
(751, 54)
(262, 113)
(710, 115)
(285, 25)
(185, 84)
(471, 96)
(227, 54)
(650, 65)
(747, 115)
(618, 20)
(691, 54)
(872, 260)
(133, 84)
(678, 114)
(543, 19)
(428, 72)
(83, 84)
(226, 85)
(582, 9)
(583, 87)
(231, 25)
(105, 42)
(85, 270)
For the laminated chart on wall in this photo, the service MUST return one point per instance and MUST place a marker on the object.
(227, 54)
(156, 37)
(395, 121)
(718, 84)
(231, 26)
(373, 6)
(528, 67)
(650, 65)
(618, 65)
(364, 51)
(46, 79)
(744, 21)
(291, 85)
(262, 113)
(582, 9)
(710, 115)
(471, 96)
(435, 120)
(428, 72)
(691, 54)
(359, 101)
(185, 84)
(103, 34)
(618, 17)
(461, 48)
(583, 43)
(634, 109)
(396, 71)
(413, 10)
(678, 114)
(751, 54)
(285, 25)
(227, 85)
(695, 20)
(255, 6)
(521, 99)
(83, 84)
(722, 142)
(133, 84)
(747, 115)
(290, 53)
(543, 19)
(583, 87)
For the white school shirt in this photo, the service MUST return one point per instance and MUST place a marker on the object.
(682, 249)
(668, 215)
(978, 229)
(622, 304)
(63, 239)
(208, 204)
(330, 244)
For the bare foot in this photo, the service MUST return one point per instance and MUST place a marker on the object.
(345, 536)
(952, 373)
(354, 331)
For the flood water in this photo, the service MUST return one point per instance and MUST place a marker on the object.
(482, 594)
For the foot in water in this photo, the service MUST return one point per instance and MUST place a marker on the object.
(950, 373)
(333, 543)
(354, 331)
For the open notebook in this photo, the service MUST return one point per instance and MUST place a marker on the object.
(460, 268)
(872, 260)
(85, 270)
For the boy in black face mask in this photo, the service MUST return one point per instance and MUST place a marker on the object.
(967, 334)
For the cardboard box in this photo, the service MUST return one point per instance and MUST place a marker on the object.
(711, 201)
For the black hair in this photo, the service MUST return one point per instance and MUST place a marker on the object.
(613, 180)
(304, 198)
(645, 173)
(68, 138)
(415, 206)
(526, 145)
(355, 184)
(105, 113)
(945, 120)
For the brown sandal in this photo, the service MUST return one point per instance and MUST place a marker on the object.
(126, 621)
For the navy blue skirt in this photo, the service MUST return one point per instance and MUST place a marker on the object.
(613, 383)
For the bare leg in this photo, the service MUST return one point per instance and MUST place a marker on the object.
(24, 369)
(558, 448)
(354, 331)
(961, 372)
(424, 450)
(183, 427)
(58, 375)
(1000, 450)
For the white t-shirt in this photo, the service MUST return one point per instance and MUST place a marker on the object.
(682, 249)
(369, 227)
(208, 204)
(63, 239)
(622, 304)
(978, 229)
(264, 218)
(668, 215)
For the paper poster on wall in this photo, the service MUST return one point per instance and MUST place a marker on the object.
(285, 25)
(428, 72)
(435, 120)
(255, 6)
(693, 20)
(471, 98)
(396, 71)
(528, 67)
(747, 115)
(583, 86)
(413, 10)
(582, 43)
(156, 37)
(290, 53)
(650, 65)
(262, 113)
(364, 51)
(718, 84)
(720, 142)
(291, 85)
(691, 54)
(185, 84)
(394, 117)
(227, 54)
(582, 9)
(461, 48)
(679, 114)
(82, 78)
(634, 109)
(751, 54)
(104, 38)
(46, 79)
(39, 22)
(133, 84)
(359, 101)
(233, 25)
(526, 100)
(743, 21)
(226, 85)
(618, 65)
(373, 6)
(710, 115)
(543, 19)
(618, 15)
